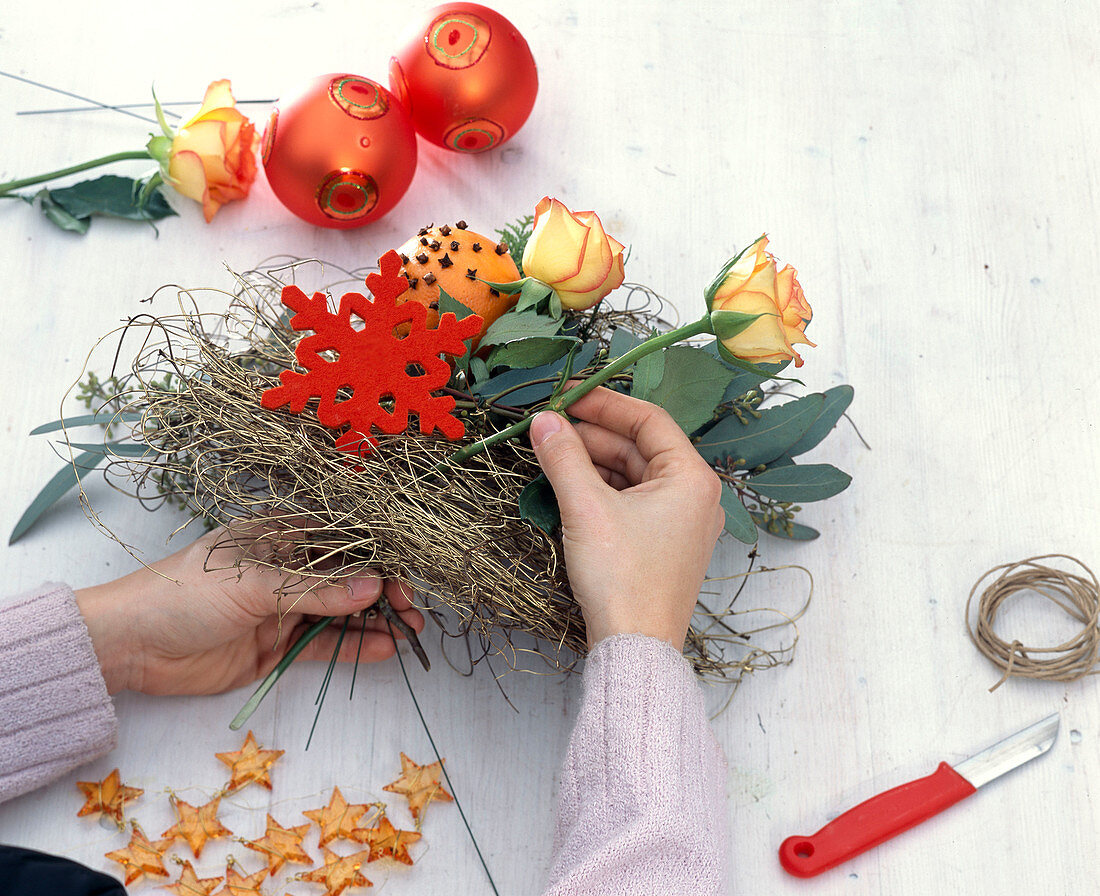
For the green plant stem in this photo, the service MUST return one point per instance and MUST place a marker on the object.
(73, 169)
(273, 676)
(655, 343)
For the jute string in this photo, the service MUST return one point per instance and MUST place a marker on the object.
(1077, 594)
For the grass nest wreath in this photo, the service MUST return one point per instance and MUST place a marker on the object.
(467, 520)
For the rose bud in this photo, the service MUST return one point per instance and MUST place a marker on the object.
(571, 252)
(212, 158)
(753, 286)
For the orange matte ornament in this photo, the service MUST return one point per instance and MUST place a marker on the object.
(467, 78)
(339, 151)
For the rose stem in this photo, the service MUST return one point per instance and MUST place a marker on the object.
(585, 386)
(84, 166)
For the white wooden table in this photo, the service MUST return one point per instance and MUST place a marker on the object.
(931, 169)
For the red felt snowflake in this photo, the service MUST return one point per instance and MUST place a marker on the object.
(393, 360)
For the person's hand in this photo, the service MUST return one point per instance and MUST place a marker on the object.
(190, 631)
(639, 512)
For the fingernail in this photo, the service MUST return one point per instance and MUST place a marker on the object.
(364, 588)
(544, 425)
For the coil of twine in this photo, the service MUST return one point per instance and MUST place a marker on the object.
(1076, 593)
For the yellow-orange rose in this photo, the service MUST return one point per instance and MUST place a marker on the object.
(754, 286)
(213, 156)
(570, 251)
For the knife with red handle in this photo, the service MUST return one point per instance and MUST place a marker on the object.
(888, 814)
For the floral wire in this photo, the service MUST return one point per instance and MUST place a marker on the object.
(320, 701)
(439, 759)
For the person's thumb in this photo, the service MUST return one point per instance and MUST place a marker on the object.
(564, 459)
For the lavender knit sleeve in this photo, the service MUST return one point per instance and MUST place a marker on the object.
(642, 806)
(55, 713)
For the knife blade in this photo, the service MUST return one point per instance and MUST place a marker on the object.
(887, 814)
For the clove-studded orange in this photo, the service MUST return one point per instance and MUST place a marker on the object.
(458, 261)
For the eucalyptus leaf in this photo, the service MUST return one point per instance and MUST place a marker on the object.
(103, 418)
(801, 483)
(479, 370)
(115, 449)
(760, 439)
(537, 391)
(837, 400)
(622, 341)
(525, 325)
(539, 505)
(533, 352)
(60, 483)
(648, 373)
(798, 531)
(739, 523)
(692, 386)
(744, 380)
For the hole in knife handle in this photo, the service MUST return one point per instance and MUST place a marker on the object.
(804, 849)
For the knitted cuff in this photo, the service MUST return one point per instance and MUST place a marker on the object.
(55, 713)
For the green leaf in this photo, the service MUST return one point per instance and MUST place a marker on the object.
(837, 400)
(512, 326)
(798, 531)
(115, 449)
(61, 482)
(449, 304)
(744, 380)
(762, 439)
(479, 370)
(537, 391)
(539, 505)
(727, 324)
(59, 216)
(102, 418)
(648, 373)
(692, 386)
(739, 522)
(532, 352)
(801, 483)
(622, 341)
(112, 195)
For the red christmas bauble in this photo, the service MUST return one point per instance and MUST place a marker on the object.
(339, 151)
(467, 78)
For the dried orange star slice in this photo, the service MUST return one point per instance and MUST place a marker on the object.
(107, 796)
(337, 819)
(249, 765)
(339, 872)
(385, 840)
(237, 884)
(190, 884)
(281, 845)
(142, 859)
(420, 785)
(197, 825)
